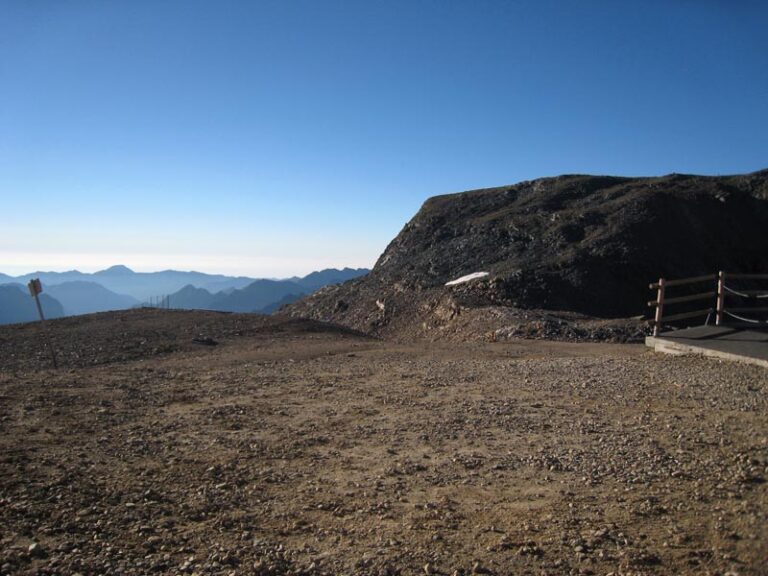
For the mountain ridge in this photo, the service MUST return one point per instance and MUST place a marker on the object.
(84, 297)
(142, 286)
(264, 295)
(84, 294)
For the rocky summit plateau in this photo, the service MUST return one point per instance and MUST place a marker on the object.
(193, 442)
(562, 257)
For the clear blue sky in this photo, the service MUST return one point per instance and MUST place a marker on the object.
(271, 138)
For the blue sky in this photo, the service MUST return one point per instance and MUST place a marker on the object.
(274, 138)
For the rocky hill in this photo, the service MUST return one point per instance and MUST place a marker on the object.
(584, 245)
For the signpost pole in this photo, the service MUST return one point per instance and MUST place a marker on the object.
(35, 287)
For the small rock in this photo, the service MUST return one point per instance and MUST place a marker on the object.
(35, 550)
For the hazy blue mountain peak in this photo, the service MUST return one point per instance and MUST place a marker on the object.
(116, 269)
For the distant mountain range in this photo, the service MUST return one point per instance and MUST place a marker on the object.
(255, 297)
(264, 296)
(140, 285)
(117, 288)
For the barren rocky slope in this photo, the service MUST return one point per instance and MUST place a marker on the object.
(582, 244)
(139, 334)
(294, 448)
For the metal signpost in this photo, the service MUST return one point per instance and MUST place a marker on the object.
(35, 287)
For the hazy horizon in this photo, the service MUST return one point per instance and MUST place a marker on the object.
(271, 139)
(24, 271)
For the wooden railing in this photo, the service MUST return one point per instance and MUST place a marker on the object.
(717, 295)
(662, 301)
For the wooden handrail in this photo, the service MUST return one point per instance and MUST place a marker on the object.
(721, 292)
(683, 316)
(679, 299)
(682, 281)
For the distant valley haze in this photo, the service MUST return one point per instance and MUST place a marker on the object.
(118, 287)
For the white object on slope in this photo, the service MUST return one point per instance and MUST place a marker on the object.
(467, 278)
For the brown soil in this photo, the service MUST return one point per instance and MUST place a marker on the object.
(296, 448)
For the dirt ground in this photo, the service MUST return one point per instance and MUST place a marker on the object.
(292, 448)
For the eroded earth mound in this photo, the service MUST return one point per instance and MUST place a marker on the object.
(586, 245)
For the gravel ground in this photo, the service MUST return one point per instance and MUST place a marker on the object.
(288, 448)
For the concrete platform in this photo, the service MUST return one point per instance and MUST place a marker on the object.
(739, 344)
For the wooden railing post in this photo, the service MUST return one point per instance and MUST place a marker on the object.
(720, 297)
(659, 307)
